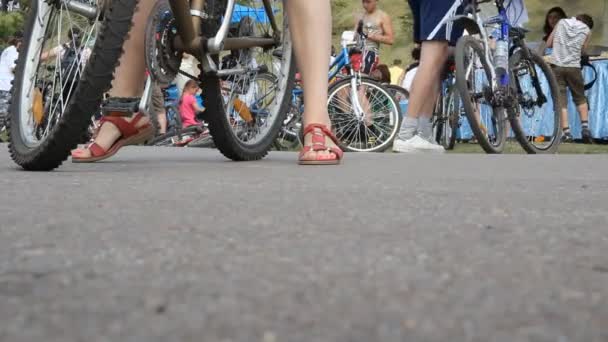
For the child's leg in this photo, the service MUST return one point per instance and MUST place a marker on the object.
(583, 110)
(576, 83)
(129, 76)
(562, 97)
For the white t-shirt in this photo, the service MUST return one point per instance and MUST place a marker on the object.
(409, 79)
(7, 65)
(568, 40)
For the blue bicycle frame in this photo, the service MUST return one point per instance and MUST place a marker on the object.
(505, 27)
(342, 61)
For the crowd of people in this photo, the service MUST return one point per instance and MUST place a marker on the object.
(564, 42)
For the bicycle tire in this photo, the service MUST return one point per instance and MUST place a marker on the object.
(498, 117)
(514, 115)
(398, 92)
(395, 115)
(446, 131)
(97, 76)
(220, 127)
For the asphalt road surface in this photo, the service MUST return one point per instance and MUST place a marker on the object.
(182, 245)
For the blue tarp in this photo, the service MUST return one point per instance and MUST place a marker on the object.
(257, 14)
(598, 114)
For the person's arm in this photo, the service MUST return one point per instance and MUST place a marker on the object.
(388, 37)
(46, 55)
(197, 107)
(552, 35)
(587, 41)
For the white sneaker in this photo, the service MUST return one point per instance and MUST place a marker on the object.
(416, 144)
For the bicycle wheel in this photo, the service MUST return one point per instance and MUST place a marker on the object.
(249, 108)
(49, 112)
(289, 136)
(363, 114)
(474, 80)
(447, 121)
(535, 118)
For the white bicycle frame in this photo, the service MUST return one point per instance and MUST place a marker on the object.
(449, 19)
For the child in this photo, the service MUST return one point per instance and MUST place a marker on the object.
(568, 40)
(188, 105)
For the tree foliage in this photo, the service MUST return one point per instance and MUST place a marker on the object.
(10, 23)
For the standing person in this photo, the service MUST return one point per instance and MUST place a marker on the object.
(310, 25)
(568, 40)
(8, 60)
(417, 129)
(396, 71)
(378, 28)
(554, 15)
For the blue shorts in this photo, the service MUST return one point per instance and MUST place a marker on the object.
(427, 16)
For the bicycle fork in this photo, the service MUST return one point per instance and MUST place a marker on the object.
(354, 88)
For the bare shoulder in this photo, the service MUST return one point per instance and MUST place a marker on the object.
(384, 16)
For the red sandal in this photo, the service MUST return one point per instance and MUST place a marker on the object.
(318, 145)
(130, 135)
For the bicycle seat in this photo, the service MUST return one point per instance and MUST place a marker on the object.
(518, 32)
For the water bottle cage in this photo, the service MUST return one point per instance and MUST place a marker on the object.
(120, 106)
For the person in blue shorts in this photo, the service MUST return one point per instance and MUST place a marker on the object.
(417, 130)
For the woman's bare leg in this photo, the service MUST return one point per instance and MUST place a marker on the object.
(310, 24)
(130, 75)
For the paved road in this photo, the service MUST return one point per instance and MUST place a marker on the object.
(181, 245)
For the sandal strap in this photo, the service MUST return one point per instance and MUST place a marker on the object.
(318, 140)
(120, 106)
(96, 150)
(326, 131)
(127, 129)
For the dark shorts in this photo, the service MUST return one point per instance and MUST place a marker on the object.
(427, 16)
(570, 78)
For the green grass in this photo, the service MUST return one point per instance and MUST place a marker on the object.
(514, 148)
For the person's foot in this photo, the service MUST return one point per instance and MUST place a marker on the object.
(106, 136)
(319, 155)
(587, 138)
(416, 144)
(567, 138)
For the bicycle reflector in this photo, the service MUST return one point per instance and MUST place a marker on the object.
(243, 110)
(38, 107)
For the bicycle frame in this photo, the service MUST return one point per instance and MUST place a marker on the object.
(188, 19)
(341, 62)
